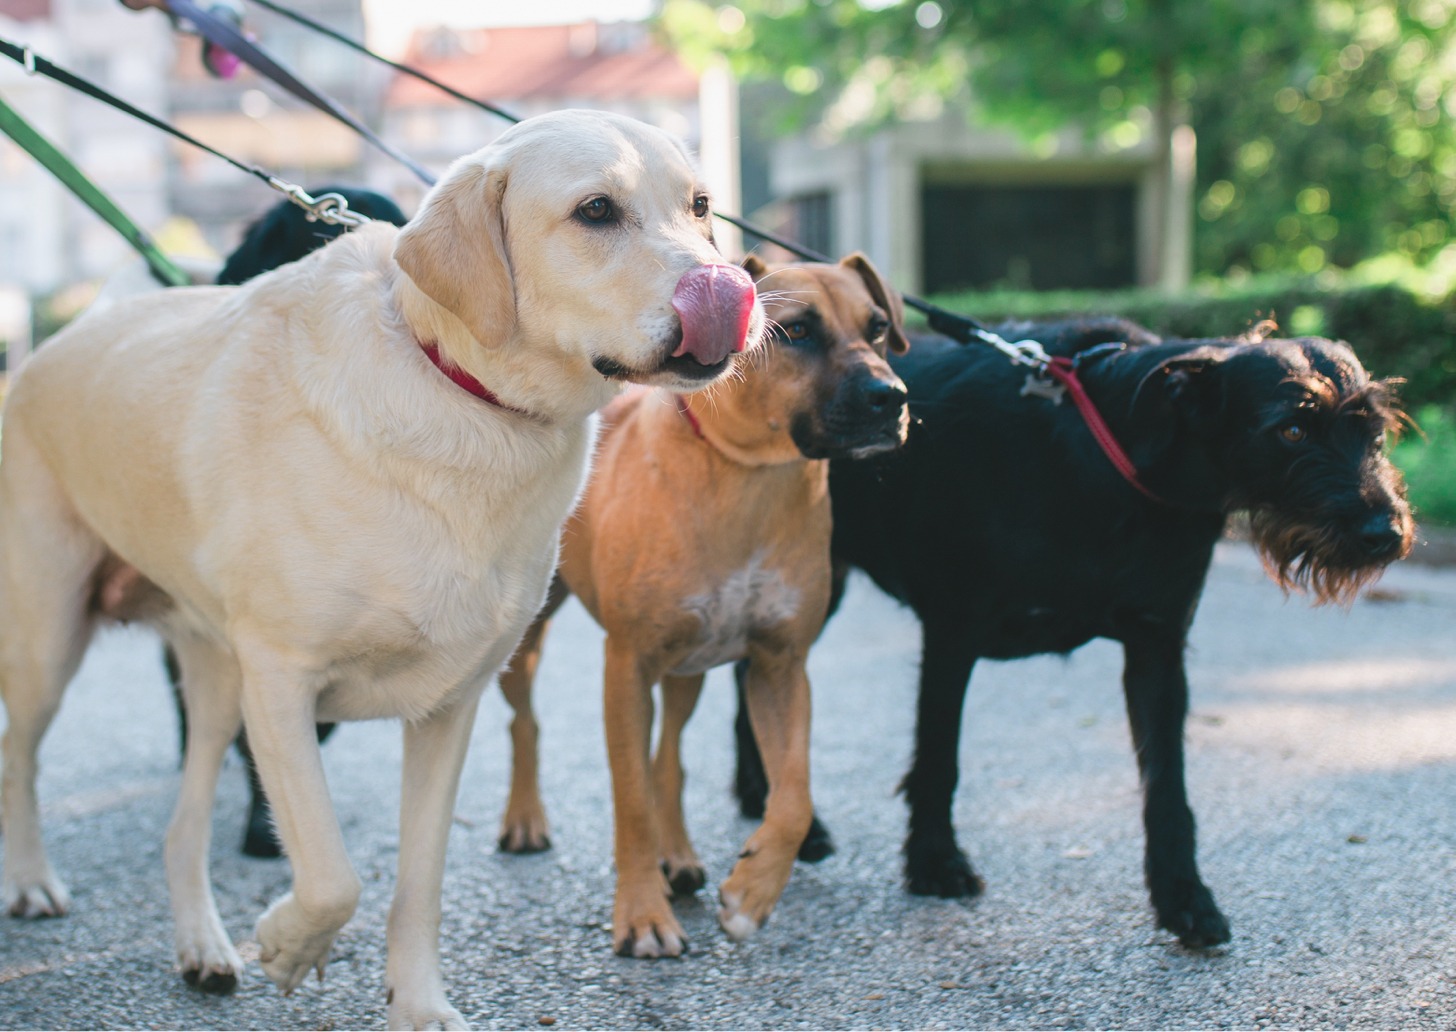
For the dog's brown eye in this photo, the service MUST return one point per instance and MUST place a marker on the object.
(877, 331)
(598, 209)
(700, 206)
(796, 330)
(1294, 433)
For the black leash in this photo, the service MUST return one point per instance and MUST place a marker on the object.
(958, 327)
(339, 37)
(329, 208)
(34, 64)
(332, 208)
(220, 32)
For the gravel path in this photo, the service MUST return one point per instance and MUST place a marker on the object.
(1322, 765)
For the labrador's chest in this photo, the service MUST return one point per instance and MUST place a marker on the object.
(425, 594)
(444, 633)
(752, 600)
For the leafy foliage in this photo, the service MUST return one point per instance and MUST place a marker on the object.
(1428, 460)
(1334, 150)
(1325, 127)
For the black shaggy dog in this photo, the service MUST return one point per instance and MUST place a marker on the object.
(284, 234)
(1010, 534)
(280, 235)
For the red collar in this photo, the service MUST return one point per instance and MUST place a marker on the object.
(1064, 371)
(682, 406)
(463, 379)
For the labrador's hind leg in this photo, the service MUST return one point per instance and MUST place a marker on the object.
(48, 559)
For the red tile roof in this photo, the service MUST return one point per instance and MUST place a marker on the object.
(26, 10)
(587, 61)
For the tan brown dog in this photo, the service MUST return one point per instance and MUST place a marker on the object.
(703, 538)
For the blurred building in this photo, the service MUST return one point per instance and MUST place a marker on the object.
(530, 70)
(193, 201)
(944, 205)
(249, 118)
(47, 238)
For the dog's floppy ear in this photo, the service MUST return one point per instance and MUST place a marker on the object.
(454, 250)
(885, 297)
(754, 266)
(1191, 384)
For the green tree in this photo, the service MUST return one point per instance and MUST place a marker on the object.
(1335, 152)
(1320, 128)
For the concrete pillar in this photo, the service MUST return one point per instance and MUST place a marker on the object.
(719, 152)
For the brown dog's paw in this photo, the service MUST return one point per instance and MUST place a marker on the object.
(751, 892)
(735, 918)
(645, 927)
(524, 830)
(653, 941)
(523, 840)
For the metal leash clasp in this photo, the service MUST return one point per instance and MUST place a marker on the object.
(330, 208)
(1030, 353)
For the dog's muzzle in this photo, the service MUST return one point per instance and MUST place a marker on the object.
(867, 415)
(1384, 536)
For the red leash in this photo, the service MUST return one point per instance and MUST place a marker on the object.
(463, 379)
(1064, 371)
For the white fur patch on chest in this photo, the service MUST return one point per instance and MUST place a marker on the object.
(745, 602)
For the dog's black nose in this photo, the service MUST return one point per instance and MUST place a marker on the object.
(884, 396)
(1382, 535)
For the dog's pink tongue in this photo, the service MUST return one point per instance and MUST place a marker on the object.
(715, 303)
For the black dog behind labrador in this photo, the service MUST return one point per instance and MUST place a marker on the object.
(280, 235)
(1010, 534)
(284, 233)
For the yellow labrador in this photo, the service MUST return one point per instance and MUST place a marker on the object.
(337, 491)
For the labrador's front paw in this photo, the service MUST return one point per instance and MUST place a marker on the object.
(423, 1014)
(40, 894)
(290, 945)
(206, 956)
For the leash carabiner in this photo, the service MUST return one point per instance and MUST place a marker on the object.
(330, 208)
(1029, 353)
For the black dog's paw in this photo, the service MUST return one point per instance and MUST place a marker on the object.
(1193, 917)
(751, 790)
(817, 844)
(938, 869)
(260, 840)
(685, 880)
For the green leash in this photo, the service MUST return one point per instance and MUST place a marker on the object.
(19, 130)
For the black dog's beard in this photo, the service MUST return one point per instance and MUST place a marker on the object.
(1317, 558)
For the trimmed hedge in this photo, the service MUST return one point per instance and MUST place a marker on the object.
(1394, 331)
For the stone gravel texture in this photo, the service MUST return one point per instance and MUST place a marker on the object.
(1322, 766)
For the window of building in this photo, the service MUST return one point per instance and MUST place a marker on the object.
(810, 222)
(1039, 237)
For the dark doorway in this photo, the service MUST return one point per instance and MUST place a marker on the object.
(1041, 237)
